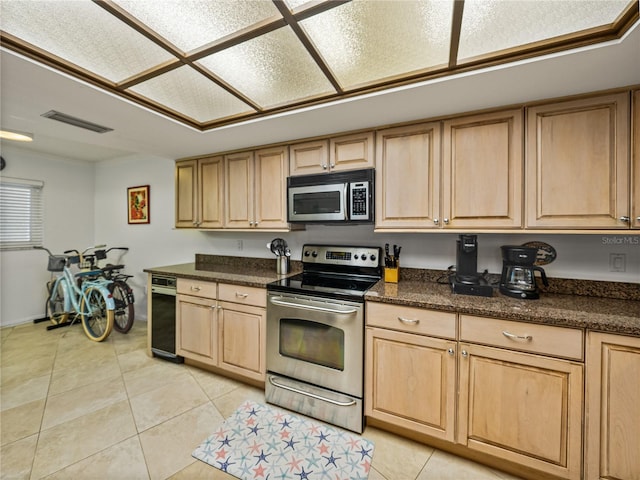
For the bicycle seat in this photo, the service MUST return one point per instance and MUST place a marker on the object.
(110, 268)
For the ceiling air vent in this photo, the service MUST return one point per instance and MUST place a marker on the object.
(77, 122)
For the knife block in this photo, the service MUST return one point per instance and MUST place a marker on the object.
(391, 274)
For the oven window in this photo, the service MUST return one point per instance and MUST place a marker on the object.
(316, 202)
(312, 342)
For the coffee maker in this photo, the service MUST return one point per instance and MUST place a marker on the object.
(466, 280)
(518, 272)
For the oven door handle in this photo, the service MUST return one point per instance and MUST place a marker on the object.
(279, 301)
(272, 381)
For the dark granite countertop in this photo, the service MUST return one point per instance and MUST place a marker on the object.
(603, 314)
(250, 272)
(420, 288)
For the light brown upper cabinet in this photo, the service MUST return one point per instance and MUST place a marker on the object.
(408, 177)
(635, 162)
(482, 171)
(309, 157)
(578, 164)
(255, 182)
(199, 193)
(347, 152)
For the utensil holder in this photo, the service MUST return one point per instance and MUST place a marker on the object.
(391, 274)
(282, 265)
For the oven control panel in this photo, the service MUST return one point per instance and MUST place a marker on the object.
(351, 256)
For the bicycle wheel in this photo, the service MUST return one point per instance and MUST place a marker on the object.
(123, 298)
(55, 304)
(97, 320)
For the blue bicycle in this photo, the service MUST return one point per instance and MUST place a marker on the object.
(83, 294)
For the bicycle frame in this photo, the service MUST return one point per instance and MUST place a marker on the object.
(73, 294)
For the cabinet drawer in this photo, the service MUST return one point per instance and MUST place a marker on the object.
(528, 337)
(411, 319)
(197, 288)
(241, 294)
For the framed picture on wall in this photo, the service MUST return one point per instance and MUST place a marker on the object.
(138, 204)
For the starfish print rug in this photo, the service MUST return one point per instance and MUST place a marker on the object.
(262, 441)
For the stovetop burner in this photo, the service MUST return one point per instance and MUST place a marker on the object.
(334, 272)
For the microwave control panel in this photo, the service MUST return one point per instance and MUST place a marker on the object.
(359, 196)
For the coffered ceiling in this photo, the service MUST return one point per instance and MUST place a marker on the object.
(210, 63)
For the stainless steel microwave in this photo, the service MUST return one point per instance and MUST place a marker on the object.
(341, 197)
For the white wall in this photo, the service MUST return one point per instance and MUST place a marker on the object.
(98, 193)
(69, 218)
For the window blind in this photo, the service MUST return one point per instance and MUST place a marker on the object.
(21, 213)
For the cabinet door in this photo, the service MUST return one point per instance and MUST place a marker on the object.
(239, 190)
(410, 381)
(482, 171)
(271, 170)
(613, 407)
(186, 194)
(351, 152)
(408, 177)
(635, 162)
(578, 164)
(196, 332)
(211, 176)
(242, 340)
(521, 407)
(309, 157)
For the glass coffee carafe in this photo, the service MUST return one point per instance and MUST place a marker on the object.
(518, 272)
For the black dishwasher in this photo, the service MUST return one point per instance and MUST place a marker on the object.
(163, 318)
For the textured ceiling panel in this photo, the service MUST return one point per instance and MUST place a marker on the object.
(82, 33)
(272, 69)
(369, 41)
(190, 93)
(494, 25)
(191, 24)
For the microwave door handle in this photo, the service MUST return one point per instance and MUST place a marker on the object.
(279, 301)
(347, 206)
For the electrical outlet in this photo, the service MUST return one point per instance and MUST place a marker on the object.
(239, 245)
(617, 262)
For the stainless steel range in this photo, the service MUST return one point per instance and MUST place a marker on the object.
(315, 334)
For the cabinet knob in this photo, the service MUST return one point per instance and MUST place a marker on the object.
(251, 224)
(451, 351)
(446, 221)
(195, 288)
(637, 219)
(242, 295)
(464, 353)
(333, 165)
(436, 221)
(624, 219)
(324, 166)
(255, 224)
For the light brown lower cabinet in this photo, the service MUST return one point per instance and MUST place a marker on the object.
(242, 342)
(517, 395)
(223, 326)
(411, 381)
(197, 328)
(521, 407)
(612, 407)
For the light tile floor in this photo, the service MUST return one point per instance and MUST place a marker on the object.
(75, 409)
